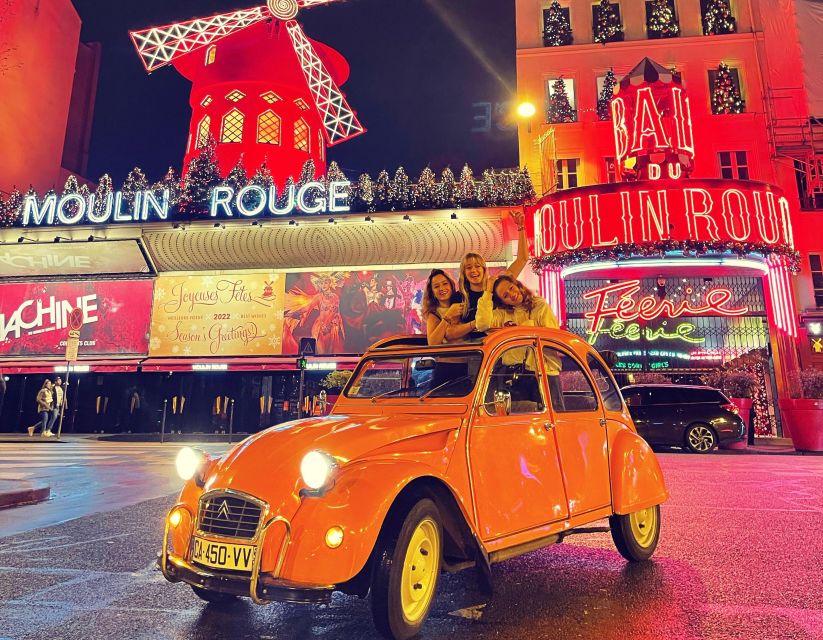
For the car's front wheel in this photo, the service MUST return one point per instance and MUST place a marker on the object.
(215, 597)
(700, 438)
(636, 534)
(405, 575)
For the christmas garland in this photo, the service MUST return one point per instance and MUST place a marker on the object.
(689, 248)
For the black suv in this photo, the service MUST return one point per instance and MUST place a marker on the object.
(698, 418)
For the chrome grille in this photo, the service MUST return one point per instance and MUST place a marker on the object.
(228, 515)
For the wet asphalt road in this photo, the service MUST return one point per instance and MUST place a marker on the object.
(741, 556)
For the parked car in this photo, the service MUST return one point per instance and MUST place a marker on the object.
(434, 459)
(695, 417)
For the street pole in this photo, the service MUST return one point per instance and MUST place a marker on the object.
(300, 394)
(163, 421)
(65, 400)
(231, 419)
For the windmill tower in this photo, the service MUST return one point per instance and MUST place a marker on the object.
(260, 86)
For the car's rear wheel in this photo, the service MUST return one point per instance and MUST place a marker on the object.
(407, 566)
(215, 597)
(636, 534)
(700, 438)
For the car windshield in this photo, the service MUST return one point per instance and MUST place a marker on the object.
(433, 375)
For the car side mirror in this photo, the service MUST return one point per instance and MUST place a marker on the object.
(502, 403)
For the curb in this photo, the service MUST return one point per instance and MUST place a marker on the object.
(20, 497)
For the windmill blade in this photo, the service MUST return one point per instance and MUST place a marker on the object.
(305, 4)
(339, 120)
(160, 46)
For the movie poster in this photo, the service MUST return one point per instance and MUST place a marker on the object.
(348, 311)
(231, 314)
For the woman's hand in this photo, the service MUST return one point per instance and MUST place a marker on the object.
(518, 218)
(454, 313)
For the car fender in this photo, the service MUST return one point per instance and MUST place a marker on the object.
(637, 480)
(358, 503)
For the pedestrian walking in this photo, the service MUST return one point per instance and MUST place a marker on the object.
(58, 393)
(45, 403)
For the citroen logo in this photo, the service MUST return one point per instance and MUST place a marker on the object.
(223, 511)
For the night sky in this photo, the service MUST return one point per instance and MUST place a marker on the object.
(420, 73)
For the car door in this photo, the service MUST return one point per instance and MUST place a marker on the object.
(664, 415)
(637, 401)
(580, 429)
(514, 467)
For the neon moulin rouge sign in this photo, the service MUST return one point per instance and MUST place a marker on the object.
(619, 302)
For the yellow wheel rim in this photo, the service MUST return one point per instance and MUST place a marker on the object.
(420, 569)
(644, 526)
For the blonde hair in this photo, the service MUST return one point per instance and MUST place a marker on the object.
(528, 296)
(462, 284)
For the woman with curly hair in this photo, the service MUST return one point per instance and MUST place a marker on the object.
(507, 302)
(442, 309)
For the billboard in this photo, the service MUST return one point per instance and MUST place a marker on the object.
(27, 260)
(34, 317)
(231, 314)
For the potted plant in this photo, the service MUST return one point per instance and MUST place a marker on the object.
(803, 412)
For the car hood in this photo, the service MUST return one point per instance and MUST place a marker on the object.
(267, 464)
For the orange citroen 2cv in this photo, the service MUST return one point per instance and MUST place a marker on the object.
(434, 459)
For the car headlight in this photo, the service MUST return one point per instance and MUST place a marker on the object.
(189, 461)
(317, 469)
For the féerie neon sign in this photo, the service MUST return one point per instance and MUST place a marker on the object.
(620, 330)
(627, 309)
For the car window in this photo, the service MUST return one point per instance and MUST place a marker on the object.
(633, 398)
(605, 385)
(709, 395)
(666, 395)
(569, 387)
(515, 372)
(439, 375)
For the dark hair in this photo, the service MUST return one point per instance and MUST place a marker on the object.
(528, 296)
(430, 303)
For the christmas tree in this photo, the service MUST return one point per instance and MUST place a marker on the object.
(427, 189)
(381, 191)
(607, 25)
(718, 18)
(308, 172)
(170, 182)
(202, 176)
(101, 195)
(283, 198)
(263, 177)
(466, 188)
(604, 101)
(448, 188)
(487, 191)
(399, 190)
(10, 209)
(135, 182)
(662, 22)
(71, 186)
(523, 190)
(335, 174)
(238, 177)
(726, 96)
(556, 28)
(363, 195)
(560, 109)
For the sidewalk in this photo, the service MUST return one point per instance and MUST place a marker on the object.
(15, 493)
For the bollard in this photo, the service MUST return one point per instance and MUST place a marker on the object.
(163, 421)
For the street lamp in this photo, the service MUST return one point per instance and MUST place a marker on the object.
(526, 111)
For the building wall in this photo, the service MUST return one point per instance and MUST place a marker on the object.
(38, 51)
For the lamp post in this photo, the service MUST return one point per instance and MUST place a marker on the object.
(526, 111)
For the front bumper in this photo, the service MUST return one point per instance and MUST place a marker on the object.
(260, 587)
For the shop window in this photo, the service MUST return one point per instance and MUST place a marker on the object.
(817, 279)
(567, 173)
(725, 90)
(301, 135)
(206, 101)
(734, 165)
(233, 127)
(235, 96)
(270, 96)
(551, 36)
(211, 54)
(321, 147)
(661, 20)
(268, 128)
(561, 101)
(610, 170)
(607, 26)
(809, 175)
(203, 130)
(301, 104)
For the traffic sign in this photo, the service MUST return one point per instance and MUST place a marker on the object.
(308, 346)
(72, 345)
(76, 319)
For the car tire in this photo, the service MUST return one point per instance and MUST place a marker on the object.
(636, 534)
(215, 597)
(700, 438)
(407, 565)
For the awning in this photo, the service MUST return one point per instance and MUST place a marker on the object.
(283, 363)
(47, 365)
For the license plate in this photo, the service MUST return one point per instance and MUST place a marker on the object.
(221, 555)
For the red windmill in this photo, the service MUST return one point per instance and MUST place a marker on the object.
(260, 86)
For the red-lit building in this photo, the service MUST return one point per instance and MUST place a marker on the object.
(726, 225)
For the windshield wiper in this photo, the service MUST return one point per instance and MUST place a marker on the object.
(392, 392)
(443, 385)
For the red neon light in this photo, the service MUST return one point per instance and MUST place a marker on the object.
(684, 132)
(627, 309)
(621, 131)
(648, 123)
